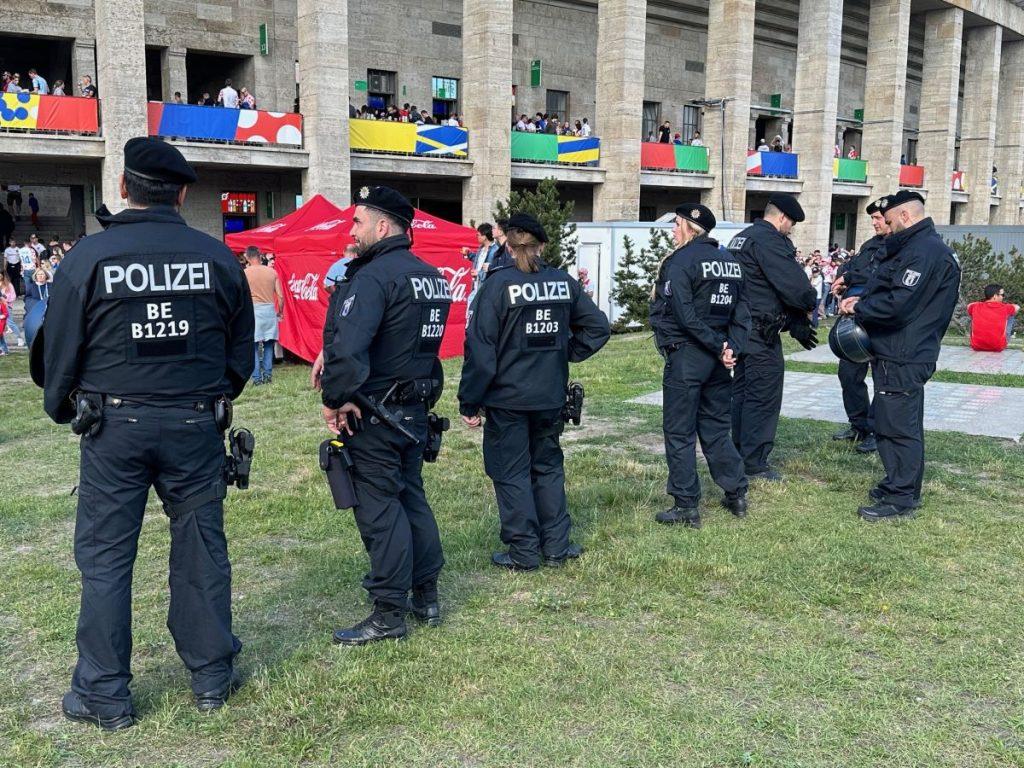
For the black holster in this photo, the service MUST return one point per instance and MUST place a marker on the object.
(436, 427)
(238, 462)
(573, 408)
(336, 461)
(88, 414)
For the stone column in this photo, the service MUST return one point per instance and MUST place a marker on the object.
(978, 131)
(120, 58)
(940, 85)
(815, 109)
(322, 27)
(174, 75)
(83, 62)
(487, 105)
(1010, 132)
(621, 40)
(729, 72)
(885, 93)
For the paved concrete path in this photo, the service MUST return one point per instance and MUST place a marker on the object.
(967, 408)
(963, 359)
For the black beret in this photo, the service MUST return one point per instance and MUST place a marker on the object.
(157, 160)
(901, 197)
(699, 214)
(388, 200)
(872, 208)
(528, 223)
(788, 205)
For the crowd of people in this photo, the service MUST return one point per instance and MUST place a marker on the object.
(11, 82)
(28, 272)
(542, 122)
(407, 113)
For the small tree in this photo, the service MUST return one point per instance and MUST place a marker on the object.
(979, 266)
(545, 204)
(634, 278)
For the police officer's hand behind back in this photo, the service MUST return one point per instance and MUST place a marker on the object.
(846, 305)
(472, 421)
(838, 286)
(337, 419)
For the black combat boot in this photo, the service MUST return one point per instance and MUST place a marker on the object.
(385, 623)
(868, 444)
(850, 433)
(736, 504)
(688, 516)
(214, 700)
(506, 561)
(883, 511)
(75, 709)
(424, 606)
(572, 552)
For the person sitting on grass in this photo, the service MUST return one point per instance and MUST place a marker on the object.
(991, 320)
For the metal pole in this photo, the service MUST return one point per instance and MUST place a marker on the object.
(722, 154)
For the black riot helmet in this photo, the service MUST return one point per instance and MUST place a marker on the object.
(849, 341)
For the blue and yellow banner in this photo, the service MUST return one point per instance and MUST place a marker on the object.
(407, 138)
(572, 149)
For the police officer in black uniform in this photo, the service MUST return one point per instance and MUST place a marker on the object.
(701, 322)
(381, 339)
(149, 324)
(905, 309)
(780, 297)
(528, 322)
(851, 279)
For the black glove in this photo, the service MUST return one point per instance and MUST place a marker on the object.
(802, 331)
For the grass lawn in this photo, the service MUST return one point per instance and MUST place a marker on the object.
(798, 637)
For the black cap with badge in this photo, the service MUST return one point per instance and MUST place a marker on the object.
(699, 214)
(788, 205)
(873, 207)
(157, 160)
(389, 201)
(903, 196)
(528, 223)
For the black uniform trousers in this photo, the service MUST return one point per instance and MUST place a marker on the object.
(394, 519)
(524, 460)
(757, 401)
(856, 400)
(899, 428)
(697, 390)
(180, 452)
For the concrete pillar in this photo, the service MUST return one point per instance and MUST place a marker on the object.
(1010, 132)
(323, 69)
(885, 93)
(940, 84)
(728, 75)
(120, 59)
(621, 40)
(83, 62)
(174, 75)
(984, 47)
(815, 109)
(487, 105)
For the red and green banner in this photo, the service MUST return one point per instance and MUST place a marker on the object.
(673, 157)
(35, 112)
(548, 148)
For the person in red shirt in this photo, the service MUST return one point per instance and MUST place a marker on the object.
(991, 320)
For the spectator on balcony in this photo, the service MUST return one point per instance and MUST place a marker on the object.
(531, 126)
(425, 118)
(696, 141)
(87, 89)
(5, 78)
(852, 154)
(665, 133)
(33, 206)
(777, 144)
(246, 99)
(521, 124)
(762, 146)
(677, 139)
(206, 100)
(538, 122)
(551, 125)
(39, 84)
(14, 84)
(228, 96)
(58, 88)
(453, 121)
(352, 111)
(403, 113)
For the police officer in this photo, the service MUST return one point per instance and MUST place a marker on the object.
(528, 322)
(780, 297)
(851, 280)
(905, 309)
(149, 324)
(701, 322)
(381, 339)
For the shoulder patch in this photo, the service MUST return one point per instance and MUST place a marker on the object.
(347, 306)
(911, 277)
(736, 243)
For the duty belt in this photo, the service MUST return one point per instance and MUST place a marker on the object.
(200, 406)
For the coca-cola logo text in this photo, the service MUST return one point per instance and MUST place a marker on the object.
(423, 224)
(305, 289)
(456, 281)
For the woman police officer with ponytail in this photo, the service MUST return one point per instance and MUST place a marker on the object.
(528, 321)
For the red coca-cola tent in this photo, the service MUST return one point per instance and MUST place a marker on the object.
(303, 256)
(318, 209)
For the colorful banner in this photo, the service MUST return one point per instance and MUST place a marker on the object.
(778, 164)
(33, 112)
(191, 121)
(549, 148)
(407, 138)
(957, 181)
(850, 170)
(673, 157)
(912, 175)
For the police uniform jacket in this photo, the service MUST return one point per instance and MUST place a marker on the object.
(909, 301)
(699, 298)
(774, 283)
(385, 322)
(524, 330)
(149, 309)
(858, 270)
